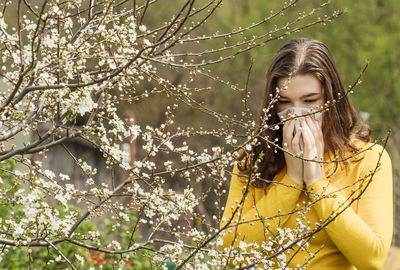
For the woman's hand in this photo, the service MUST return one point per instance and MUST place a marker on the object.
(291, 143)
(313, 149)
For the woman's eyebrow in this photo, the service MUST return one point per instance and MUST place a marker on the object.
(311, 95)
(305, 96)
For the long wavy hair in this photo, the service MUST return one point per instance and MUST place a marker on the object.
(340, 123)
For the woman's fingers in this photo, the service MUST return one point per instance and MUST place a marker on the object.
(310, 147)
(294, 165)
(320, 134)
(291, 142)
(316, 133)
(288, 128)
(312, 123)
(296, 142)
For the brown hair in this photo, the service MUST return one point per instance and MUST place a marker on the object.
(298, 57)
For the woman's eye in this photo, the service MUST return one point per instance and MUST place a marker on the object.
(310, 100)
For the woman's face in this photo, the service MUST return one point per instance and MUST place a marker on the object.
(300, 91)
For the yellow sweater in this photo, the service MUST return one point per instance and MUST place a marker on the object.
(358, 238)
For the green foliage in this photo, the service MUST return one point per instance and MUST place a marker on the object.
(49, 258)
(22, 257)
(6, 168)
(169, 264)
(365, 33)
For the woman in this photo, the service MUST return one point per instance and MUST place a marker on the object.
(305, 193)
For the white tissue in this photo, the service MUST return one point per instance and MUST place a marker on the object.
(298, 111)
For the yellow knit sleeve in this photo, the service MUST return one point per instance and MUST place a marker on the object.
(242, 221)
(364, 236)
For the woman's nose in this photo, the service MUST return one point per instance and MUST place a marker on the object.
(299, 104)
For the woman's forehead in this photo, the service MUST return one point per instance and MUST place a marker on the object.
(299, 85)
